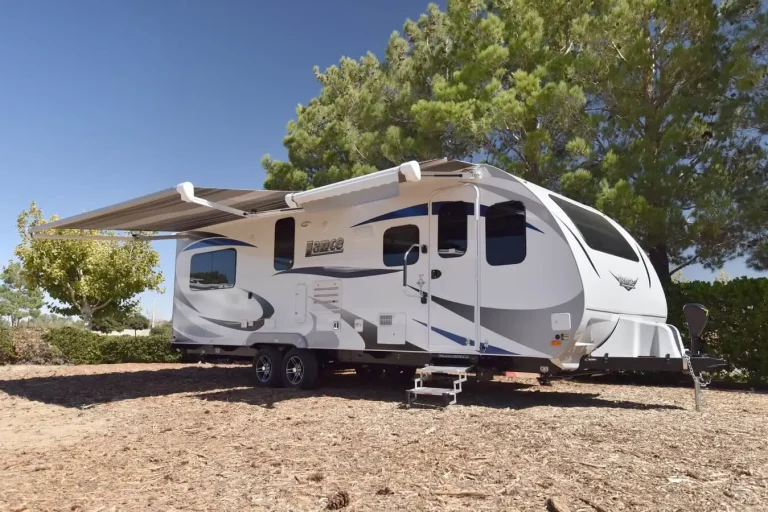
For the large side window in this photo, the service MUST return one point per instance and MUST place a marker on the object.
(213, 270)
(397, 241)
(452, 229)
(285, 236)
(599, 234)
(505, 233)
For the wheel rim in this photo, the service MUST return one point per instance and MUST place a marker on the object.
(263, 368)
(294, 370)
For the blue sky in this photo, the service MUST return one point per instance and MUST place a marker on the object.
(105, 101)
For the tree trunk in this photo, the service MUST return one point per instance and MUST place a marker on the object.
(87, 315)
(660, 261)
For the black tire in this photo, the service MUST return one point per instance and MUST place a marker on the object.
(266, 368)
(299, 369)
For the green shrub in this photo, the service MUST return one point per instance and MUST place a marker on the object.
(138, 349)
(162, 330)
(7, 351)
(738, 319)
(83, 347)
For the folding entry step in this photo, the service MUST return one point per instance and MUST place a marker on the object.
(448, 394)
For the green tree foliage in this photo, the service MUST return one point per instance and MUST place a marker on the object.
(17, 300)
(653, 111)
(107, 323)
(86, 277)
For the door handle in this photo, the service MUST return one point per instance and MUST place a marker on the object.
(436, 273)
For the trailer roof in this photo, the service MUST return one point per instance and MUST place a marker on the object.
(166, 211)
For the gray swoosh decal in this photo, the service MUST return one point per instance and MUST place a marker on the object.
(190, 328)
(258, 324)
(179, 295)
(266, 306)
(518, 325)
(340, 272)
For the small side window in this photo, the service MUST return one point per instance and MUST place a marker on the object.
(213, 270)
(505, 242)
(285, 236)
(397, 241)
(452, 229)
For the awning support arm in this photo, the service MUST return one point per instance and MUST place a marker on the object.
(187, 193)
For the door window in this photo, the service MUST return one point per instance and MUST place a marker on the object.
(452, 229)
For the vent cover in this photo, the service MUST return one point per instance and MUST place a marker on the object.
(385, 319)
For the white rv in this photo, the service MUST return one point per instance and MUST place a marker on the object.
(434, 263)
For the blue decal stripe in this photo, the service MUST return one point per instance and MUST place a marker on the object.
(531, 226)
(411, 211)
(421, 210)
(217, 242)
(451, 336)
(491, 350)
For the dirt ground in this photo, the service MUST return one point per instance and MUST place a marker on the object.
(197, 437)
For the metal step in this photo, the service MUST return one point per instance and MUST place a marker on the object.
(448, 394)
(432, 391)
(444, 370)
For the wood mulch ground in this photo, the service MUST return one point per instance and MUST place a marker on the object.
(198, 437)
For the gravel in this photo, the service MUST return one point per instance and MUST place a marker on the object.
(198, 437)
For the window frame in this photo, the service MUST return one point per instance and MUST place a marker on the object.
(206, 253)
(521, 206)
(293, 244)
(626, 245)
(442, 208)
(402, 260)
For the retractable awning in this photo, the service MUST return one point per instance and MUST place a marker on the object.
(185, 208)
(168, 211)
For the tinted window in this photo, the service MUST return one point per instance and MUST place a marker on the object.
(505, 233)
(285, 231)
(397, 241)
(599, 234)
(213, 270)
(452, 229)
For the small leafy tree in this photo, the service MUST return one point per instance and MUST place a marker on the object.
(86, 277)
(107, 324)
(137, 321)
(17, 300)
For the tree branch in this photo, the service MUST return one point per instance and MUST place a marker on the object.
(101, 306)
(684, 264)
(621, 55)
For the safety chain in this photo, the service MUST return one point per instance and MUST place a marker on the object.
(700, 378)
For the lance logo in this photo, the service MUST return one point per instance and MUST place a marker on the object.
(321, 247)
(625, 282)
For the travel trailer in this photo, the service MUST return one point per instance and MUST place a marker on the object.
(455, 266)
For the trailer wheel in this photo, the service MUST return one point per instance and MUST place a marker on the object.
(300, 369)
(266, 368)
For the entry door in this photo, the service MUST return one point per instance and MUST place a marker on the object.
(453, 270)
